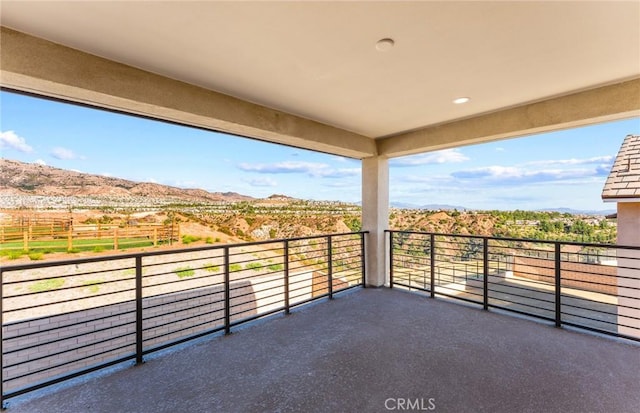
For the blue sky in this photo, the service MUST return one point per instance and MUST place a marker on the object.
(560, 169)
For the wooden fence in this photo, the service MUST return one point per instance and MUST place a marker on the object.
(61, 235)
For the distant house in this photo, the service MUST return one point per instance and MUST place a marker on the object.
(623, 187)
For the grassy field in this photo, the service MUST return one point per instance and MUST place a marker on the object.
(16, 249)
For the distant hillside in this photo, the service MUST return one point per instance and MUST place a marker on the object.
(19, 178)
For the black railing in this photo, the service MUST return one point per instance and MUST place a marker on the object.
(589, 286)
(62, 319)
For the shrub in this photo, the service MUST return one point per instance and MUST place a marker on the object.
(188, 239)
(211, 267)
(93, 285)
(46, 285)
(14, 255)
(98, 248)
(35, 256)
(217, 239)
(209, 240)
(235, 267)
(275, 267)
(183, 272)
(255, 266)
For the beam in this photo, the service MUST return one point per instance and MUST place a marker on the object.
(34, 65)
(603, 104)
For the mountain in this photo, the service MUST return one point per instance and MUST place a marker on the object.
(19, 178)
(428, 207)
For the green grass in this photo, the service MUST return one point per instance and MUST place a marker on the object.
(13, 255)
(35, 256)
(60, 245)
(275, 267)
(255, 266)
(188, 239)
(209, 240)
(235, 267)
(93, 285)
(211, 267)
(183, 272)
(46, 285)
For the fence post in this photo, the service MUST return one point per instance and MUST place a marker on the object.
(432, 251)
(115, 238)
(286, 277)
(70, 238)
(155, 237)
(139, 309)
(485, 270)
(330, 268)
(558, 285)
(25, 241)
(227, 293)
(390, 259)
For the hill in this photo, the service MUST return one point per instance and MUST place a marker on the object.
(19, 178)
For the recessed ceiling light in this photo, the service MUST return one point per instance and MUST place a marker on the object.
(460, 101)
(383, 45)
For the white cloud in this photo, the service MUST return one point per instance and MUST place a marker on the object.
(261, 181)
(10, 139)
(64, 154)
(313, 169)
(437, 157)
(40, 162)
(608, 159)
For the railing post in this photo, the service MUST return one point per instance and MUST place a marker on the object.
(558, 285)
(485, 270)
(139, 309)
(390, 259)
(2, 406)
(363, 261)
(330, 267)
(432, 241)
(227, 293)
(286, 277)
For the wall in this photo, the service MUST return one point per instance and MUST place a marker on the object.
(587, 277)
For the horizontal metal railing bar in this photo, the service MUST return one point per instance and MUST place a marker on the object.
(508, 289)
(60, 302)
(188, 337)
(177, 320)
(23, 281)
(513, 310)
(151, 317)
(115, 257)
(534, 241)
(76, 287)
(184, 280)
(60, 379)
(163, 304)
(64, 339)
(590, 318)
(31, 373)
(597, 330)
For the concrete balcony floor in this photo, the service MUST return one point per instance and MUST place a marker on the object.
(366, 348)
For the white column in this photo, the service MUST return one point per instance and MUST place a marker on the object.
(375, 217)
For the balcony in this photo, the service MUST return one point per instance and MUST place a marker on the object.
(308, 337)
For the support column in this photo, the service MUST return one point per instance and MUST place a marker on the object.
(375, 217)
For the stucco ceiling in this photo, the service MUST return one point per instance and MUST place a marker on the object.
(318, 60)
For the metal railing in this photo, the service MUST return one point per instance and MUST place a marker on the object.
(62, 319)
(556, 281)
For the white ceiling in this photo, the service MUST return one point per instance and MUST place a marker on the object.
(318, 59)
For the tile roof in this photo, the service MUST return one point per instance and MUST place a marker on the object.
(624, 179)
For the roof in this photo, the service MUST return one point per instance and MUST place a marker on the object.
(624, 180)
(322, 61)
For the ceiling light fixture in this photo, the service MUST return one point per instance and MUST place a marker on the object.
(460, 101)
(384, 45)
